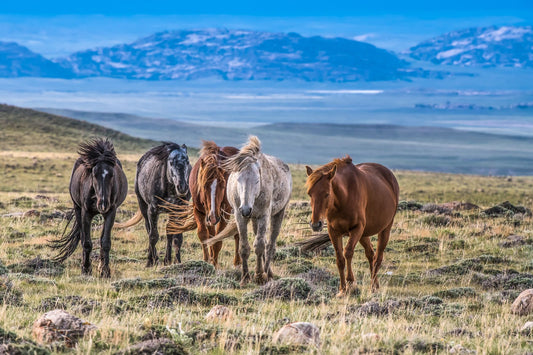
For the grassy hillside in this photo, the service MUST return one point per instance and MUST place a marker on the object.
(399, 147)
(29, 130)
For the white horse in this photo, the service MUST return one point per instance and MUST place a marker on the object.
(258, 188)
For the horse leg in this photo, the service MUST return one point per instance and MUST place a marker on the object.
(85, 221)
(105, 243)
(203, 233)
(237, 258)
(215, 248)
(275, 228)
(172, 238)
(336, 240)
(244, 247)
(369, 252)
(153, 236)
(383, 239)
(354, 237)
(259, 246)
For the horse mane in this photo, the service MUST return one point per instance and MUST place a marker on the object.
(160, 152)
(210, 167)
(248, 154)
(319, 172)
(97, 150)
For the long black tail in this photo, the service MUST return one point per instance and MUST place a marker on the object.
(68, 243)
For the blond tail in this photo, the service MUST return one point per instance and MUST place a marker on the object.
(229, 231)
(181, 217)
(316, 242)
(133, 221)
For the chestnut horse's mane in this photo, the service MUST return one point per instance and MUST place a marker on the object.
(324, 169)
(210, 155)
(246, 156)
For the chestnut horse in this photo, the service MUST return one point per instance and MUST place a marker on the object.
(358, 201)
(209, 208)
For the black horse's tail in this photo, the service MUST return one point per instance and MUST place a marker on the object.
(68, 243)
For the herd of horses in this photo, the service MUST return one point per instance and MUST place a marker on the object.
(226, 189)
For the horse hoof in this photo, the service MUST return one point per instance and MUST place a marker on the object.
(341, 294)
(245, 279)
(87, 271)
(167, 262)
(261, 279)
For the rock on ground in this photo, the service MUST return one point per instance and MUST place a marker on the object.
(527, 329)
(155, 347)
(58, 325)
(300, 333)
(218, 313)
(524, 303)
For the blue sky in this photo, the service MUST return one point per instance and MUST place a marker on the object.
(57, 28)
(267, 8)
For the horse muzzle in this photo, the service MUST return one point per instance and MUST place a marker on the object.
(103, 206)
(316, 227)
(212, 220)
(246, 211)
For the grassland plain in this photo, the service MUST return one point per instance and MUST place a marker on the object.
(448, 277)
(446, 283)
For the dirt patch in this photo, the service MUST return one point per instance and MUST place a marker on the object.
(181, 295)
(284, 289)
(8, 294)
(506, 209)
(409, 206)
(155, 346)
(515, 241)
(456, 292)
(38, 266)
(506, 280)
(11, 343)
(463, 267)
(193, 267)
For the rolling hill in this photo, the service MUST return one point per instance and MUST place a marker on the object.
(29, 130)
(399, 147)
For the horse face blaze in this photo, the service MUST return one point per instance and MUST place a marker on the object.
(319, 194)
(102, 176)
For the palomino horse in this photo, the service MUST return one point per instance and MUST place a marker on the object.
(259, 187)
(161, 180)
(358, 201)
(97, 186)
(209, 209)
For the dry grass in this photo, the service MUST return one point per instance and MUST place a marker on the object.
(418, 244)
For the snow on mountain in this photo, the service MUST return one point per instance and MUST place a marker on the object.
(17, 61)
(505, 46)
(240, 55)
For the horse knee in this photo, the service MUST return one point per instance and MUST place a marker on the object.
(348, 254)
(259, 246)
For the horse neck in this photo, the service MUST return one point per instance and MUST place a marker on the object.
(344, 184)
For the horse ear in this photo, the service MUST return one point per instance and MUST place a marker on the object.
(332, 172)
(309, 170)
(184, 147)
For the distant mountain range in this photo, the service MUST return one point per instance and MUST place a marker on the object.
(19, 61)
(254, 55)
(240, 55)
(506, 46)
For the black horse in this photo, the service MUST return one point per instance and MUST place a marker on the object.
(97, 186)
(161, 181)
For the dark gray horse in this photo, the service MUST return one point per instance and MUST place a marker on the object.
(97, 186)
(162, 179)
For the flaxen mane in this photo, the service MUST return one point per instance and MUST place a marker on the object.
(211, 157)
(246, 156)
(97, 150)
(318, 173)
